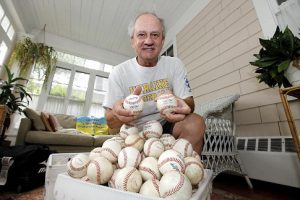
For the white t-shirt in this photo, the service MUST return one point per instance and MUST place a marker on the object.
(168, 74)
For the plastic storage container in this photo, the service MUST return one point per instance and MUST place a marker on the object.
(56, 164)
(68, 188)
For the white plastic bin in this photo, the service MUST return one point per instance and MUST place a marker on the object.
(56, 164)
(68, 188)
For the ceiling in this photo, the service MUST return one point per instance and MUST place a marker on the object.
(98, 23)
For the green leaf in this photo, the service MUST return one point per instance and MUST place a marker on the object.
(284, 65)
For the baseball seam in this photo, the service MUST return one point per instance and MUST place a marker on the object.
(125, 181)
(176, 188)
(150, 171)
(176, 160)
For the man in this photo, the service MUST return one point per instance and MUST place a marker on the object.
(147, 75)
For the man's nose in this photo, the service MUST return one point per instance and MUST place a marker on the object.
(148, 40)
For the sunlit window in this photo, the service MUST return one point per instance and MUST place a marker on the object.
(1, 12)
(5, 23)
(60, 82)
(100, 89)
(91, 64)
(108, 68)
(80, 85)
(3, 50)
(11, 32)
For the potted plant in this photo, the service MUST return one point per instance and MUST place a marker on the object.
(13, 98)
(28, 53)
(276, 56)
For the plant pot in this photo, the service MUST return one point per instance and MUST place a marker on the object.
(293, 75)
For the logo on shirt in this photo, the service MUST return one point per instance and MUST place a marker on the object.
(187, 83)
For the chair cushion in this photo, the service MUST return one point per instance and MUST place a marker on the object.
(62, 137)
(45, 119)
(66, 121)
(36, 119)
(54, 123)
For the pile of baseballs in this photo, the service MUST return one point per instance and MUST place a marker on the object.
(146, 162)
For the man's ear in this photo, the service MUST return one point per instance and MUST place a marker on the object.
(132, 42)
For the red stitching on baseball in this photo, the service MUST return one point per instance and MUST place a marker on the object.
(109, 151)
(125, 159)
(98, 171)
(156, 186)
(150, 171)
(176, 188)
(149, 146)
(192, 162)
(125, 181)
(77, 168)
(134, 142)
(178, 161)
(137, 160)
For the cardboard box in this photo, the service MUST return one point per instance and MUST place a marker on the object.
(67, 188)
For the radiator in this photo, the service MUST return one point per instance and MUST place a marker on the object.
(271, 159)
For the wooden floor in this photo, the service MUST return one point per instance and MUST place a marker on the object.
(231, 184)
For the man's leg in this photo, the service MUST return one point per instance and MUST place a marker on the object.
(192, 128)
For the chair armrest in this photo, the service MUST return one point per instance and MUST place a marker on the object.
(24, 127)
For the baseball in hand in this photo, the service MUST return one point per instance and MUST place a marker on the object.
(166, 102)
(134, 103)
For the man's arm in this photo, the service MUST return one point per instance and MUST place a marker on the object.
(112, 120)
(190, 102)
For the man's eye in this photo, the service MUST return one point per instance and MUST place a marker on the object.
(141, 35)
(155, 35)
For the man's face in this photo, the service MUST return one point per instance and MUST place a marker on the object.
(147, 40)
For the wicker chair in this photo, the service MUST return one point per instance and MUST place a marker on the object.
(219, 152)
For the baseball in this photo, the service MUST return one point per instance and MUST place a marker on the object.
(153, 147)
(150, 188)
(96, 152)
(77, 166)
(119, 139)
(110, 150)
(135, 141)
(149, 169)
(168, 140)
(184, 147)
(129, 156)
(129, 179)
(112, 181)
(193, 170)
(175, 185)
(152, 129)
(126, 130)
(166, 102)
(133, 103)
(100, 170)
(170, 160)
(196, 155)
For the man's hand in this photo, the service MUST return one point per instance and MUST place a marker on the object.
(118, 115)
(179, 113)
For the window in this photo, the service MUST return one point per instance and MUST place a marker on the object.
(77, 99)
(11, 32)
(100, 89)
(3, 50)
(169, 52)
(5, 23)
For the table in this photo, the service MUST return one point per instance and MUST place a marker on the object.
(293, 91)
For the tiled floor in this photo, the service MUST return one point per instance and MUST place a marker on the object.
(231, 185)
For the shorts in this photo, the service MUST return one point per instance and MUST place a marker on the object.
(168, 128)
